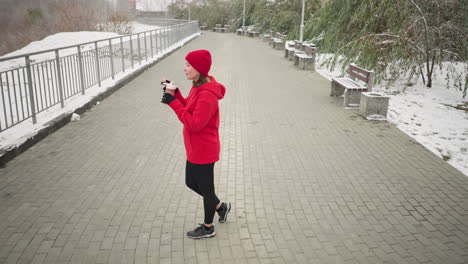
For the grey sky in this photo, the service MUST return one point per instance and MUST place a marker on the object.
(153, 5)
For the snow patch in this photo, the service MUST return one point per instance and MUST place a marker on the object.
(75, 117)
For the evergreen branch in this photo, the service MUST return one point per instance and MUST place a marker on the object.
(426, 33)
(414, 23)
(449, 52)
(412, 44)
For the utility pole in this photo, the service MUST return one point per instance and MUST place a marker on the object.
(301, 34)
(243, 17)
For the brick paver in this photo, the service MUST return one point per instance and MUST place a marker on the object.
(309, 181)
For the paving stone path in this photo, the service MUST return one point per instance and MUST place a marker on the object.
(310, 182)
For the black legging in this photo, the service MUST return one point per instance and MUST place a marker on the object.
(200, 178)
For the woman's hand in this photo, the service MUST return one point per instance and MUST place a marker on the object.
(169, 87)
(167, 98)
(170, 91)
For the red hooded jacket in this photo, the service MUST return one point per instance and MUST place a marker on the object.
(199, 113)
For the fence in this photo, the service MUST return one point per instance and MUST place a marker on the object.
(26, 91)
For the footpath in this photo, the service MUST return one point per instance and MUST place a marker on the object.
(309, 181)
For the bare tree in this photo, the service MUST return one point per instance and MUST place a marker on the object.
(23, 21)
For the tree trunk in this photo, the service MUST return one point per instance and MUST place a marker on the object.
(429, 80)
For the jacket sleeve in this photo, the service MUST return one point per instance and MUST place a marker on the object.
(181, 98)
(206, 106)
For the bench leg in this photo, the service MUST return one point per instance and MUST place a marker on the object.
(306, 64)
(310, 64)
(336, 89)
(296, 61)
(352, 98)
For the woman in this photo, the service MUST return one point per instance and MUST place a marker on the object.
(199, 113)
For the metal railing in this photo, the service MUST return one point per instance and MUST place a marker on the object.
(35, 87)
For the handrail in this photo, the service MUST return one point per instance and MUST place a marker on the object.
(85, 43)
(27, 90)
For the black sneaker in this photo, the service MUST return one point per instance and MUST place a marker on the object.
(202, 232)
(223, 212)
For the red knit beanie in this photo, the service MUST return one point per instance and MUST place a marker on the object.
(200, 60)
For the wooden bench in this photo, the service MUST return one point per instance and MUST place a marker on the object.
(271, 42)
(289, 45)
(309, 48)
(304, 55)
(350, 87)
(290, 50)
(203, 27)
(278, 44)
(292, 53)
(297, 44)
(281, 36)
(218, 28)
(253, 34)
(266, 37)
(304, 61)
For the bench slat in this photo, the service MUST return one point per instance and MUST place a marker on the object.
(356, 68)
(348, 83)
(303, 55)
(359, 76)
(359, 73)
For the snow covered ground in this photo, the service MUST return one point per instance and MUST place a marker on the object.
(18, 134)
(138, 27)
(65, 39)
(426, 114)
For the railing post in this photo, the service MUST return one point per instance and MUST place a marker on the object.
(80, 63)
(166, 42)
(156, 41)
(168, 39)
(131, 50)
(59, 76)
(139, 48)
(111, 58)
(161, 40)
(146, 47)
(98, 71)
(164, 39)
(122, 54)
(169, 36)
(151, 43)
(181, 29)
(31, 92)
(172, 36)
(4, 104)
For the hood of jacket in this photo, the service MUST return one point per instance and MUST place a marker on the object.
(214, 87)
